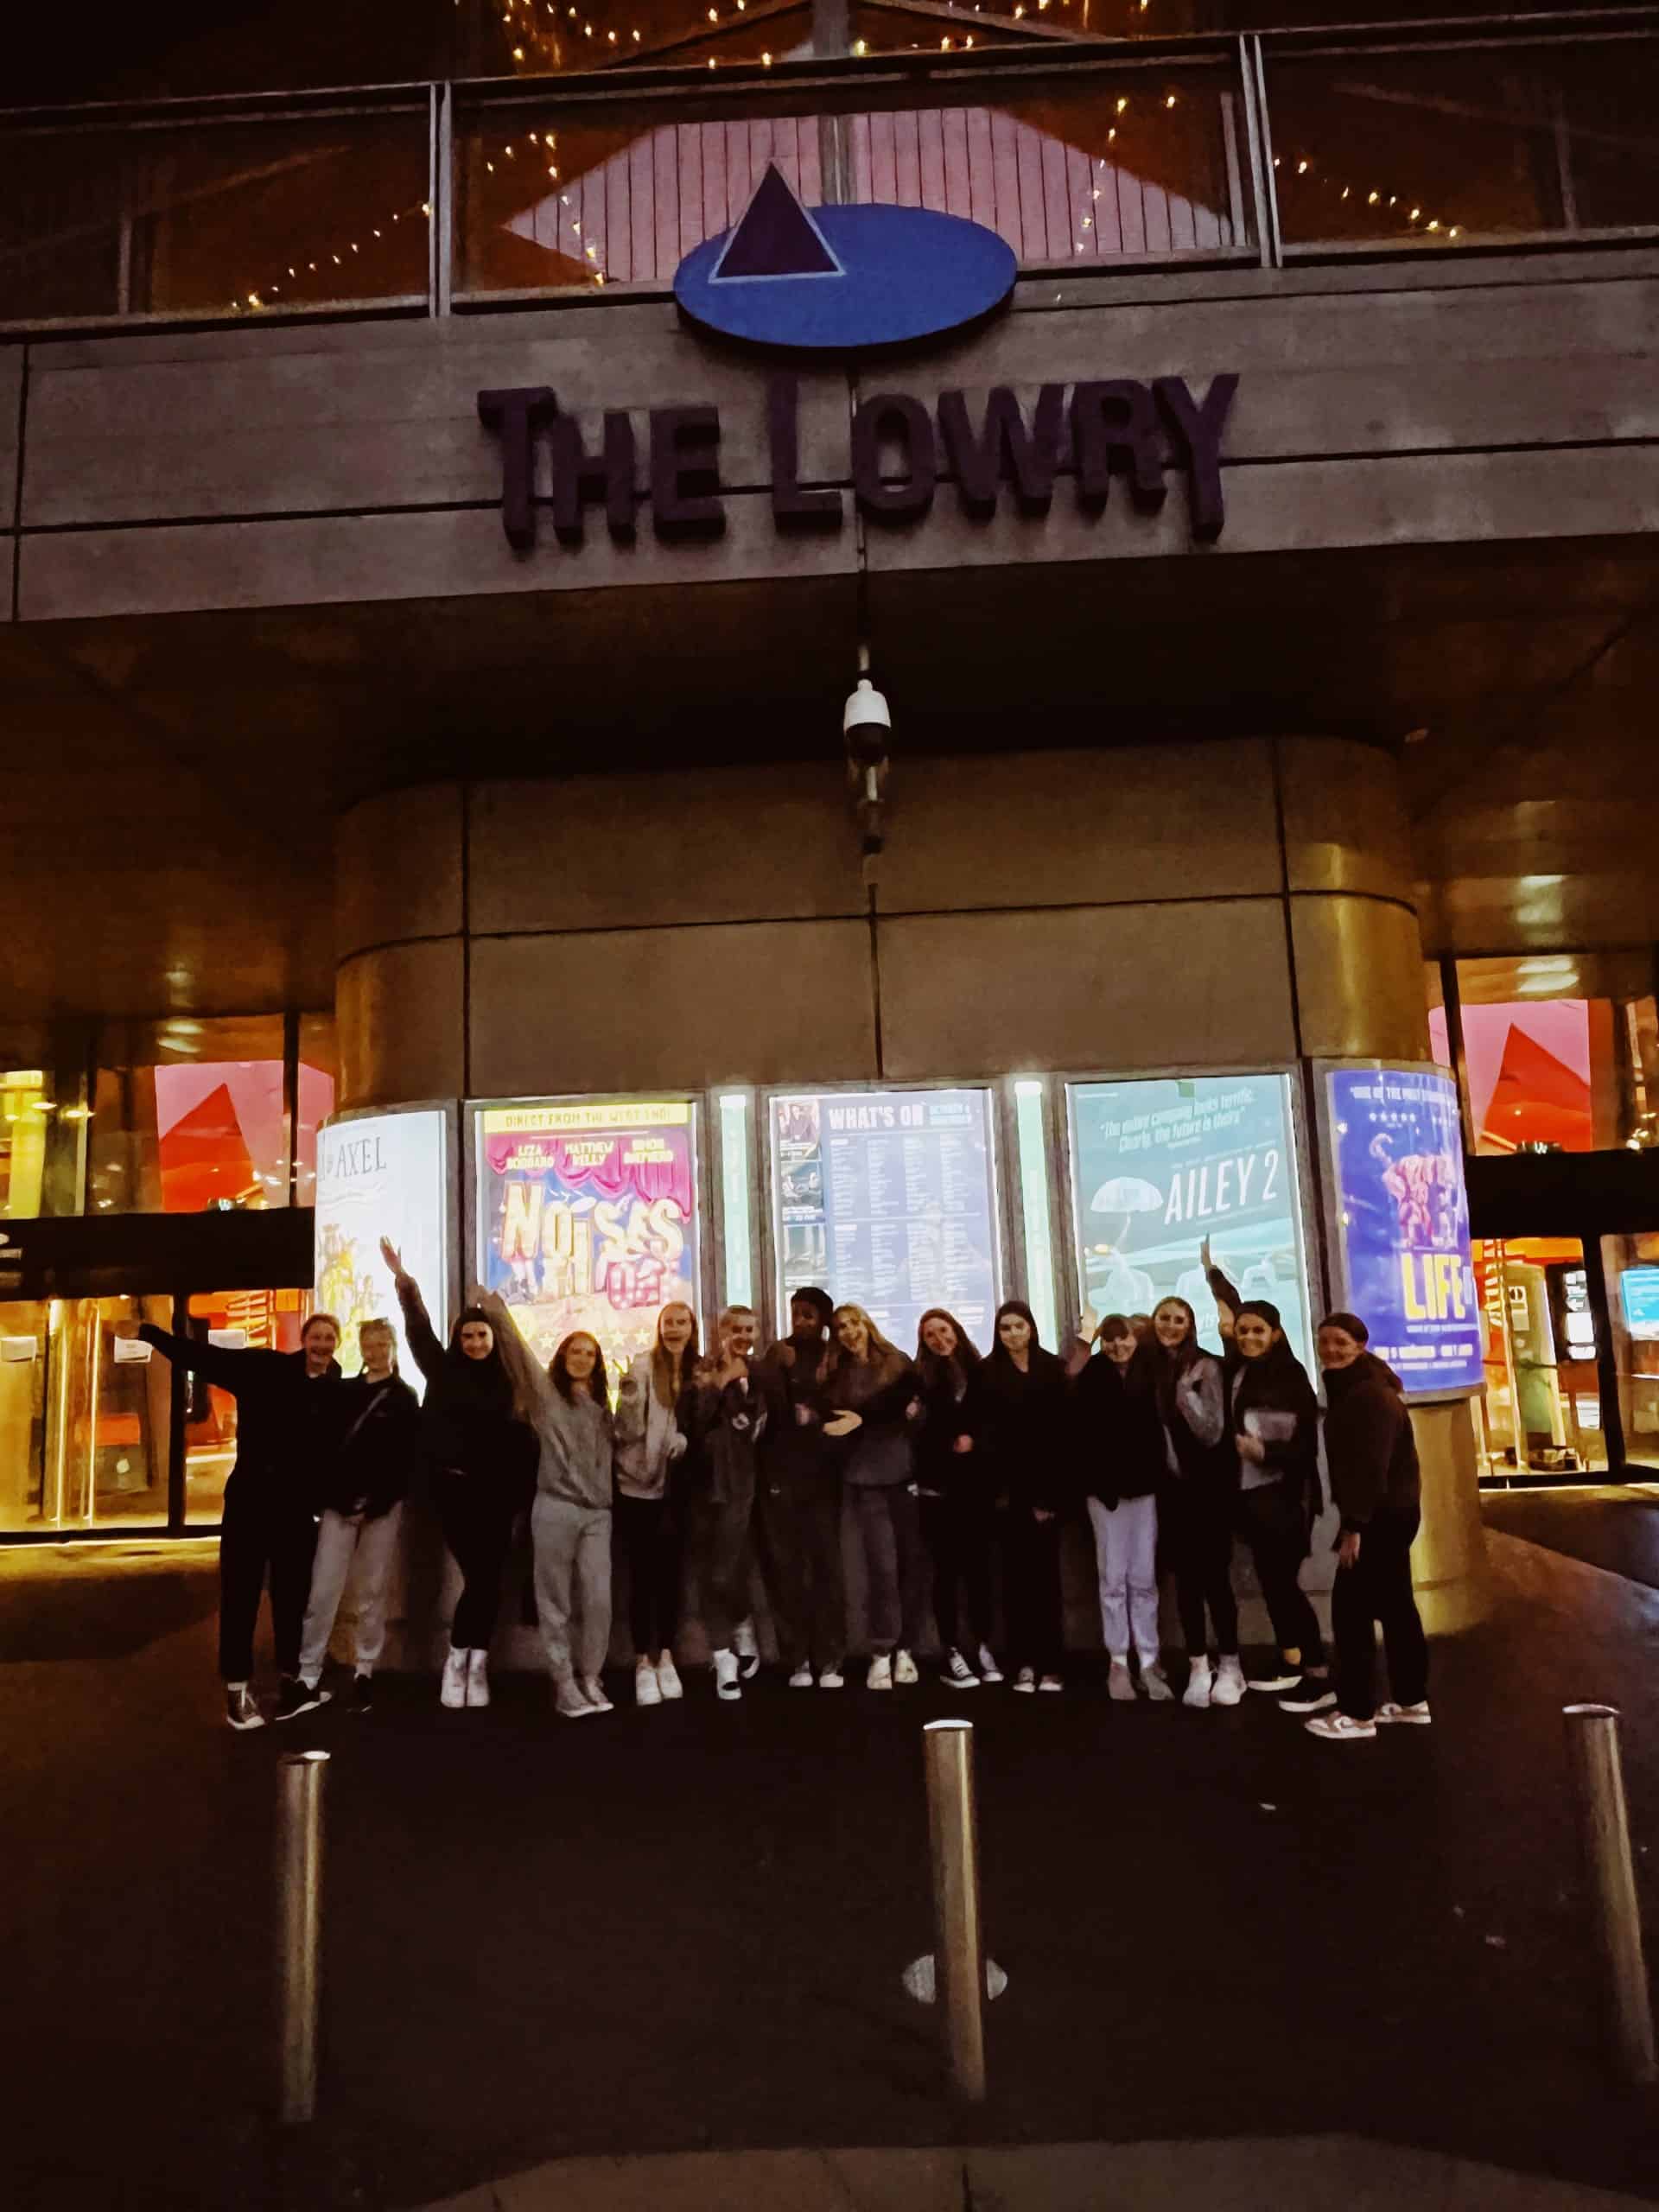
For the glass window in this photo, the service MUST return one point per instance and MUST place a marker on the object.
(254, 1320)
(1632, 1269)
(1172, 1169)
(737, 1288)
(213, 218)
(189, 1116)
(23, 1340)
(1561, 1052)
(1540, 1413)
(1440, 1042)
(319, 1080)
(1031, 1137)
(85, 1421)
(26, 1106)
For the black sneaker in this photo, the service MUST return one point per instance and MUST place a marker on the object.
(240, 1710)
(360, 1697)
(1314, 1693)
(294, 1698)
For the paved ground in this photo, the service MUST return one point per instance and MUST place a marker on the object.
(683, 1929)
(1607, 1525)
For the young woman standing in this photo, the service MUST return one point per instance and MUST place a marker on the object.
(362, 1510)
(797, 1504)
(1118, 1445)
(1376, 1487)
(1199, 1497)
(475, 1432)
(1023, 1413)
(649, 1529)
(873, 1388)
(951, 1481)
(722, 1414)
(1275, 1417)
(570, 1519)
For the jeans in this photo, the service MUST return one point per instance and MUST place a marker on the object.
(363, 1549)
(1377, 1587)
(477, 1516)
(572, 1549)
(1275, 1528)
(648, 1534)
(1126, 1552)
(798, 1536)
(1033, 1589)
(888, 1529)
(260, 1533)
(958, 1532)
(718, 1534)
(1197, 1527)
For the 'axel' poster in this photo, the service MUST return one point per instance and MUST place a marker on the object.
(587, 1219)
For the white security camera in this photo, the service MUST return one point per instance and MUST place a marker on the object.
(866, 728)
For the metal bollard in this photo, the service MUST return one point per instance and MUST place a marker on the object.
(958, 1950)
(299, 1931)
(1604, 1828)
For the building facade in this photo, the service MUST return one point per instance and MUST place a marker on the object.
(1262, 602)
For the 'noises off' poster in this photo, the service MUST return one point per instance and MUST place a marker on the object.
(587, 1219)
(1405, 1222)
(1161, 1165)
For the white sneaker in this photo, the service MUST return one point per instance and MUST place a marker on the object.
(988, 1670)
(452, 1690)
(1412, 1716)
(1026, 1681)
(904, 1670)
(1339, 1728)
(239, 1708)
(726, 1683)
(956, 1673)
(801, 1677)
(569, 1703)
(747, 1650)
(668, 1679)
(880, 1674)
(1276, 1685)
(478, 1678)
(593, 1690)
(832, 1679)
(1229, 1687)
(1155, 1682)
(647, 1690)
(1200, 1682)
(1120, 1683)
(1050, 1684)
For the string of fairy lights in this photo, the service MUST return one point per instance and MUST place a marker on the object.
(1303, 166)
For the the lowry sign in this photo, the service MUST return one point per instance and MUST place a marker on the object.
(834, 282)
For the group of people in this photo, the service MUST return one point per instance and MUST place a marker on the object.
(710, 1466)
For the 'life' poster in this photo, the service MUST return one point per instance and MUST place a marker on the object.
(1404, 1211)
(587, 1219)
(1160, 1165)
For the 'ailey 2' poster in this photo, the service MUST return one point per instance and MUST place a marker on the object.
(1398, 1147)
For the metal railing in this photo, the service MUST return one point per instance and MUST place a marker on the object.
(1088, 156)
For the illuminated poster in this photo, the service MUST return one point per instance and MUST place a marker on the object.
(887, 1199)
(382, 1175)
(587, 1219)
(1406, 1265)
(1161, 1165)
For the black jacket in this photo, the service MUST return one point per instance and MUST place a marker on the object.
(288, 1424)
(469, 1426)
(795, 1453)
(1272, 1400)
(379, 1446)
(952, 1408)
(880, 1452)
(723, 1424)
(1370, 1450)
(1116, 1438)
(1025, 1424)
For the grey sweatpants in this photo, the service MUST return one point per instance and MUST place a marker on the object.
(572, 1549)
(363, 1550)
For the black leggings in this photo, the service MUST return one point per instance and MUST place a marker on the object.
(478, 1515)
(647, 1532)
(1195, 1525)
(958, 1534)
(262, 1531)
(1377, 1587)
(1274, 1526)
(1032, 1588)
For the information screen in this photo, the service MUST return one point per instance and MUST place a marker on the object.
(382, 1175)
(588, 1219)
(1638, 1294)
(1404, 1215)
(1162, 1164)
(888, 1200)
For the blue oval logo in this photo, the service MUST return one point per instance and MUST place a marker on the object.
(839, 279)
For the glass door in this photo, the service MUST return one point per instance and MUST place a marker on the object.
(108, 1408)
(1539, 1417)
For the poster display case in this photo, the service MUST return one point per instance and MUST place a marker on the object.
(383, 1175)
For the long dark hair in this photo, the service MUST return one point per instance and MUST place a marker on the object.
(966, 1355)
(488, 1381)
(558, 1370)
(1167, 1364)
(999, 1356)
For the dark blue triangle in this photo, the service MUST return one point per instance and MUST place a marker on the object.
(776, 238)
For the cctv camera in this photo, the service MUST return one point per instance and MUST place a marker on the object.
(866, 725)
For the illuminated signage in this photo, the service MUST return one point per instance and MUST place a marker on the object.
(382, 1175)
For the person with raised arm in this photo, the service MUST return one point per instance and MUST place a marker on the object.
(571, 1521)
(1199, 1501)
(362, 1512)
(289, 1405)
(481, 1452)
(650, 1512)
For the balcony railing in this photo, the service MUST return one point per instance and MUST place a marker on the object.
(1087, 156)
